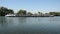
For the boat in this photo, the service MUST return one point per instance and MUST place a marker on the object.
(10, 15)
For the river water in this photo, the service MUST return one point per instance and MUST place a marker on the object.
(29, 25)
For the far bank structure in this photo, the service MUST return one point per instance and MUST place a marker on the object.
(29, 15)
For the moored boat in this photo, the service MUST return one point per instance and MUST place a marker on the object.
(8, 15)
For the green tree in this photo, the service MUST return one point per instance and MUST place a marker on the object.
(55, 13)
(10, 11)
(29, 13)
(39, 12)
(4, 11)
(22, 12)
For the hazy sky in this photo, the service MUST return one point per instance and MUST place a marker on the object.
(32, 5)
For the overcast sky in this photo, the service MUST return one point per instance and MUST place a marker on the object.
(32, 5)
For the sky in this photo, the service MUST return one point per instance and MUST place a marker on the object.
(32, 5)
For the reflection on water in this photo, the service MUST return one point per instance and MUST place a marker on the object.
(29, 25)
(3, 21)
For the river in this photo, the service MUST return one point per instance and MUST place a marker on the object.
(29, 25)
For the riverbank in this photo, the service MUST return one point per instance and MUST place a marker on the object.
(30, 16)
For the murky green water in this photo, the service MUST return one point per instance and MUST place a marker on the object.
(29, 25)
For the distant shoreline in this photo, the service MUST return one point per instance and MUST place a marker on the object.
(29, 16)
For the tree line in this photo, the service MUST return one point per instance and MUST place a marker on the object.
(4, 11)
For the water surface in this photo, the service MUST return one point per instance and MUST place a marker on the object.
(29, 25)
